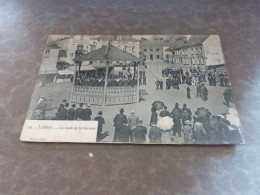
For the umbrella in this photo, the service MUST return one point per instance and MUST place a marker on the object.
(165, 123)
(158, 105)
(203, 113)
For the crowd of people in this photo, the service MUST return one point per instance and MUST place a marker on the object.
(201, 128)
(194, 76)
(119, 79)
(179, 76)
(83, 112)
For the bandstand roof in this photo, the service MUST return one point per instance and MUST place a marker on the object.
(113, 54)
(87, 68)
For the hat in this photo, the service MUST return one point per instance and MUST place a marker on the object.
(153, 124)
(132, 111)
(221, 116)
(187, 122)
(122, 110)
(100, 113)
(140, 121)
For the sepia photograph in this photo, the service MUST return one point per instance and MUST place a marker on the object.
(140, 89)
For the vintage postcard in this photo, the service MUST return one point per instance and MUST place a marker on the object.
(136, 89)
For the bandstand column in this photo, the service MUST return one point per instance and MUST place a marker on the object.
(105, 87)
(138, 84)
(75, 73)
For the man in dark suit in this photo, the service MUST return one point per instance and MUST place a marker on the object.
(61, 107)
(188, 92)
(140, 132)
(63, 112)
(79, 114)
(71, 112)
(119, 121)
(186, 114)
(101, 122)
(177, 116)
(87, 113)
(124, 133)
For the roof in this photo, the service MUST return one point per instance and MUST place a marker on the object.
(65, 72)
(196, 40)
(87, 67)
(113, 54)
(178, 44)
(155, 43)
(116, 38)
(62, 53)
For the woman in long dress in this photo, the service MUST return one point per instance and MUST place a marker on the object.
(154, 116)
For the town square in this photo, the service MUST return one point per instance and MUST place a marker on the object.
(140, 89)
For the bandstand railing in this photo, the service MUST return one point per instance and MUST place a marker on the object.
(95, 95)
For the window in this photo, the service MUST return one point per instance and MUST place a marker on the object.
(157, 49)
(47, 51)
(158, 56)
(151, 49)
(145, 49)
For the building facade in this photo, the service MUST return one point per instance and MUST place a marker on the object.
(190, 52)
(153, 49)
(123, 42)
(199, 50)
(49, 61)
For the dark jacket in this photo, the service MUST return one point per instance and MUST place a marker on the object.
(139, 134)
(79, 114)
(186, 114)
(71, 114)
(124, 133)
(164, 113)
(101, 121)
(177, 115)
(155, 135)
(87, 112)
(62, 113)
(120, 120)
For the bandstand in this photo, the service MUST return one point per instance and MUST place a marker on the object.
(105, 95)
